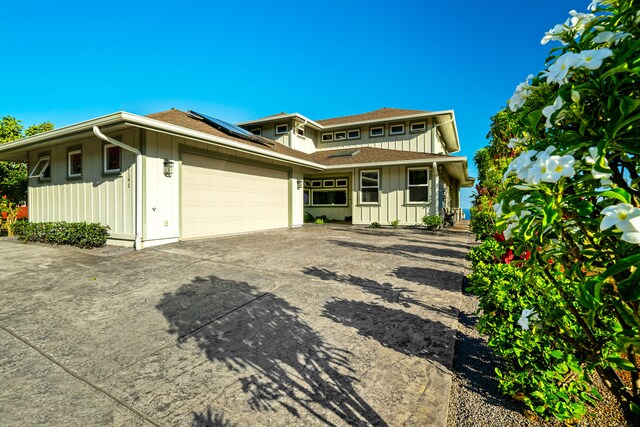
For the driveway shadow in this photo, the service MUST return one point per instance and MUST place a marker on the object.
(416, 252)
(210, 419)
(281, 362)
(395, 329)
(441, 279)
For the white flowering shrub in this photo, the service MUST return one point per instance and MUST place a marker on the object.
(569, 220)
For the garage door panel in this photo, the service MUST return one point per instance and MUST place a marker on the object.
(223, 197)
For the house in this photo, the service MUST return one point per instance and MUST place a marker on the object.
(177, 175)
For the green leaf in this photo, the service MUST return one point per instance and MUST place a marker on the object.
(617, 193)
(621, 363)
(556, 354)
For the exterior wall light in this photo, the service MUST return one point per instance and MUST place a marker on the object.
(167, 168)
(299, 182)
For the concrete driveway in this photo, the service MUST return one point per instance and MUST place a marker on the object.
(322, 325)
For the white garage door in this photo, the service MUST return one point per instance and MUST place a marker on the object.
(223, 197)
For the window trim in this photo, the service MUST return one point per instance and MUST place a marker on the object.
(346, 192)
(409, 186)
(106, 171)
(346, 182)
(306, 191)
(300, 131)
(353, 137)
(372, 128)
(42, 157)
(328, 183)
(422, 128)
(401, 125)
(377, 171)
(71, 151)
(286, 129)
(256, 131)
(342, 137)
(314, 181)
(327, 137)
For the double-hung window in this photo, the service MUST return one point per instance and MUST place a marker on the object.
(370, 186)
(418, 185)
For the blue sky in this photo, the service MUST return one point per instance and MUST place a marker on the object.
(70, 61)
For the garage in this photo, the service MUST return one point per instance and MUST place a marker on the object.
(220, 196)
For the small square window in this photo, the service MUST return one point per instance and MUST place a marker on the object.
(328, 183)
(396, 129)
(256, 131)
(307, 183)
(112, 158)
(300, 131)
(418, 127)
(341, 182)
(316, 183)
(74, 163)
(353, 134)
(326, 137)
(281, 129)
(340, 135)
(376, 131)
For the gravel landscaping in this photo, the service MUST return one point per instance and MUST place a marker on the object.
(475, 399)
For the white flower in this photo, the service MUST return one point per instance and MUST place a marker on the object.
(557, 167)
(580, 20)
(519, 97)
(591, 159)
(625, 218)
(610, 38)
(526, 316)
(556, 33)
(520, 165)
(508, 232)
(593, 5)
(550, 109)
(559, 70)
(592, 59)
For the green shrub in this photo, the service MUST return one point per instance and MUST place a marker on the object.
(432, 222)
(374, 224)
(308, 218)
(319, 220)
(80, 234)
(395, 223)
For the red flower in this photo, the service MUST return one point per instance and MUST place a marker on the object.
(499, 237)
(507, 256)
(526, 255)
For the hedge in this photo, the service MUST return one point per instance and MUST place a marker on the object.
(80, 234)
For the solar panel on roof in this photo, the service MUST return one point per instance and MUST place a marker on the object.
(348, 153)
(231, 129)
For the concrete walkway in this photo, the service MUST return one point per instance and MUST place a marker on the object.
(323, 325)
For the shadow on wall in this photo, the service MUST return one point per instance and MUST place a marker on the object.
(280, 360)
(395, 329)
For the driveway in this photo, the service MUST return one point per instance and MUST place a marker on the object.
(321, 325)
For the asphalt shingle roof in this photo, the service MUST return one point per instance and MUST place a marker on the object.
(382, 113)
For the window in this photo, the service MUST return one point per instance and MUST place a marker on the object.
(42, 169)
(74, 163)
(396, 129)
(335, 197)
(418, 127)
(328, 183)
(353, 134)
(306, 197)
(256, 131)
(281, 129)
(300, 131)
(341, 182)
(376, 131)
(326, 137)
(316, 183)
(418, 185)
(340, 135)
(111, 159)
(369, 186)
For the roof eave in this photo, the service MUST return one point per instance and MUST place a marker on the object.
(298, 116)
(425, 161)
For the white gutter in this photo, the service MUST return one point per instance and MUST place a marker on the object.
(433, 133)
(138, 241)
(399, 163)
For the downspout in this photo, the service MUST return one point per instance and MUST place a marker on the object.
(138, 240)
(434, 125)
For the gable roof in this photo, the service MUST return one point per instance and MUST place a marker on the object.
(381, 114)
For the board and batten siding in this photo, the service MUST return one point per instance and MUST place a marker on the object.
(393, 196)
(338, 213)
(108, 199)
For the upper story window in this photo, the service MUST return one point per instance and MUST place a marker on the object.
(370, 186)
(300, 131)
(418, 185)
(111, 159)
(74, 163)
(376, 131)
(282, 129)
(396, 129)
(256, 131)
(42, 170)
(353, 134)
(326, 137)
(418, 127)
(340, 135)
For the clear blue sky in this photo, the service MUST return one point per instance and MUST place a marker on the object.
(70, 61)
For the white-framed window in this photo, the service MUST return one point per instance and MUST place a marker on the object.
(396, 129)
(256, 131)
(300, 130)
(353, 134)
(329, 197)
(328, 183)
(282, 129)
(42, 169)
(340, 135)
(326, 137)
(74, 163)
(341, 182)
(316, 183)
(418, 185)
(370, 186)
(376, 131)
(418, 127)
(111, 158)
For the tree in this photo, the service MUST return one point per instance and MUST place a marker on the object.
(13, 176)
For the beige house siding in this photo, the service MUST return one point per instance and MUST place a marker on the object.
(105, 199)
(338, 213)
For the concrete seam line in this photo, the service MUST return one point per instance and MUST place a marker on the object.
(79, 377)
(186, 336)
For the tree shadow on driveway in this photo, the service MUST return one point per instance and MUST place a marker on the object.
(279, 359)
(415, 252)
